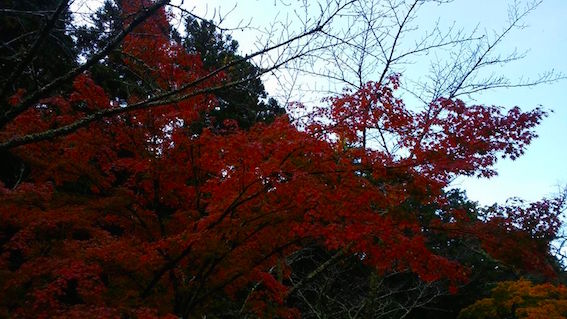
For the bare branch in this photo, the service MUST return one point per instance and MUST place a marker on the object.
(32, 52)
(11, 112)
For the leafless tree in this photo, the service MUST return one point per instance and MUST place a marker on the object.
(347, 288)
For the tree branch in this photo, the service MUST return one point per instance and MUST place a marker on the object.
(11, 112)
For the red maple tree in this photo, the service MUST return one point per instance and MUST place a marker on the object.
(137, 215)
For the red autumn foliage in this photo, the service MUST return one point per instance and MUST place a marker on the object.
(137, 216)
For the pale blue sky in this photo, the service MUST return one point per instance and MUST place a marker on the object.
(543, 168)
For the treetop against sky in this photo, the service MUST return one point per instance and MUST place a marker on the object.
(539, 40)
(146, 172)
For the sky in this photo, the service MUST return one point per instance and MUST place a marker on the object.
(542, 171)
(543, 168)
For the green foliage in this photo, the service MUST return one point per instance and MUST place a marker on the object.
(21, 28)
(246, 103)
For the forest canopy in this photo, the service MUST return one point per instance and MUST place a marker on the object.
(145, 172)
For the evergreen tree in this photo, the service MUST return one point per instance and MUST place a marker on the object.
(247, 103)
(22, 38)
